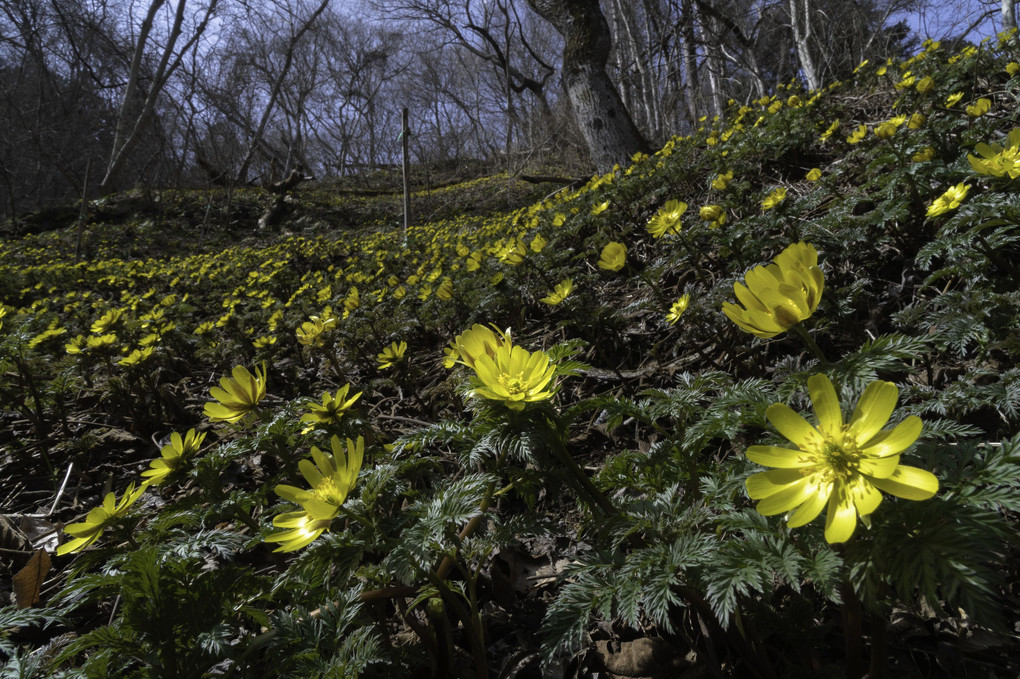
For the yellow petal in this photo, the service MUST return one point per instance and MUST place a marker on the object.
(764, 484)
(793, 495)
(909, 483)
(783, 458)
(826, 405)
(841, 517)
(811, 508)
(873, 410)
(894, 441)
(864, 495)
(793, 426)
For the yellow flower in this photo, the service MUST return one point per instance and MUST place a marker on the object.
(829, 131)
(514, 376)
(331, 478)
(886, 130)
(722, 180)
(997, 161)
(924, 155)
(667, 219)
(559, 293)
(300, 530)
(333, 407)
(1012, 68)
(925, 85)
(780, 295)
(953, 99)
(88, 531)
(108, 322)
(950, 200)
(237, 395)
(814, 174)
(391, 355)
(313, 332)
(715, 214)
(979, 107)
(600, 208)
(858, 134)
(445, 289)
(514, 253)
(477, 341)
(777, 196)
(678, 308)
(842, 466)
(538, 243)
(614, 256)
(351, 301)
(172, 455)
(917, 121)
(136, 357)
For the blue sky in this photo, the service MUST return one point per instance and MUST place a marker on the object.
(939, 19)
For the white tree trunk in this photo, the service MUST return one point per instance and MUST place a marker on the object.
(1008, 14)
(800, 23)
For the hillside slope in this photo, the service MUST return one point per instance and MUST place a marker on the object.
(596, 482)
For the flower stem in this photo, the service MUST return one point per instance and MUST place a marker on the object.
(583, 482)
(811, 345)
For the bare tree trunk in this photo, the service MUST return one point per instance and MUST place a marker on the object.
(689, 62)
(1008, 14)
(800, 24)
(605, 123)
(260, 131)
(130, 126)
(713, 64)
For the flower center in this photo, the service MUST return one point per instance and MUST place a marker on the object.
(841, 456)
(329, 492)
(515, 385)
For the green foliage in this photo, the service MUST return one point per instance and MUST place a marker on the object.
(628, 486)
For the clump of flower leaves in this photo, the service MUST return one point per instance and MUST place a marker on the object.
(750, 404)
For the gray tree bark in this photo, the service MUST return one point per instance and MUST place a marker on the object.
(605, 123)
(1008, 14)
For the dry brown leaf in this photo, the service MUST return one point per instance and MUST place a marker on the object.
(28, 581)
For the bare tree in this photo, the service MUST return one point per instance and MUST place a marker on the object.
(133, 119)
(604, 121)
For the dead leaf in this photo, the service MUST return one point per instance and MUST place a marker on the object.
(28, 581)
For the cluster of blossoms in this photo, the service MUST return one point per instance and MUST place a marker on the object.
(503, 372)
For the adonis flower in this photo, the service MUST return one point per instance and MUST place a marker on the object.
(237, 395)
(714, 214)
(172, 456)
(667, 219)
(332, 409)
(950, 200)
(998, 161)
(678, 308)
(473, 343)
(841, 466)
(979, 107)
(391, 355)
(614, 256)
(778, 296)
(777, 196)
(331, 479)
(513, 375)
(559, 293)
(88, 531)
